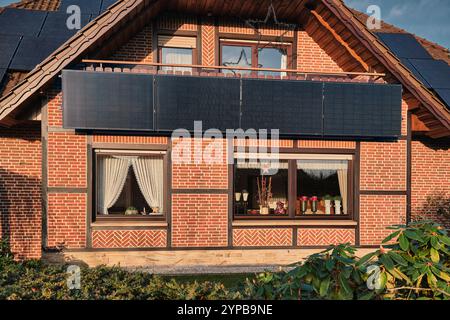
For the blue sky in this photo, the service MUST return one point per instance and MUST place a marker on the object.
(427, 18)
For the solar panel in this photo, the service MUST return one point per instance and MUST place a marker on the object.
(21, 22)
(183, 100)
(106, 4)
(404, 45)
(102, 100)
(293, 107)
(362, 110)
(2, 75)
(8, 46)
(413, 70)
(86, 6)
(435, 72)
(444, 94)
(32, 51)
(56, 25)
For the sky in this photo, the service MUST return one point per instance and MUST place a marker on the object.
(429, 19)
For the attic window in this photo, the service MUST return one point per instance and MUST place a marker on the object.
(176, 50)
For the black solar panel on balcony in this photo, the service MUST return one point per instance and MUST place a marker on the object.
(404, 45)
(8, 46)
(21, 22)
(32, 51)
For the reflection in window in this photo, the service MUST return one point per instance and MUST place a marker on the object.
(130, 185)
(322, 187)
(236, 56)
(273, 58)
(176, 56)
(259, 191)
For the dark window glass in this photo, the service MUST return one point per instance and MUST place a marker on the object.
(236, 56)
(259, 192)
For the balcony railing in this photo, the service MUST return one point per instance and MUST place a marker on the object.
(113, 97)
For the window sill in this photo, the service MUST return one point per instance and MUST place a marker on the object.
(129, 223)
(294, 223)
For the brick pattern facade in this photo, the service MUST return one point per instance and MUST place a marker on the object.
(208, 42)
(383, 166)
(326, 144)
(262, 237)
(377, 212)
(138, 49)
(199, 220)
(102, 239)
(324, 237)
(430, 179)
(20, 189)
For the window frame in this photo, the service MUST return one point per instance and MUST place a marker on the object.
(292, 192)
(254, 47)
(176, 34)
(164, 155)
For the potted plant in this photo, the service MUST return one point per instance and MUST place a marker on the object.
(314, 204)
(327, 200)
(337, 205)
(131, 211)
(264, 194)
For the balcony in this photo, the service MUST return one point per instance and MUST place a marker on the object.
(112, 96)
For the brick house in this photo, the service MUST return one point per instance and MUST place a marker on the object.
(87, 168)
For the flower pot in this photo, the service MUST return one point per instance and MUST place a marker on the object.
(328, 207)
(337, 207)
(264, 210)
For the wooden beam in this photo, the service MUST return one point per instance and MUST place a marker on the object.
(417, 125)
(339, 39)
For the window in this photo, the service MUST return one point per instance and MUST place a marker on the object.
(303, 186)
(255, 55)
(177, 50)
(130, 185)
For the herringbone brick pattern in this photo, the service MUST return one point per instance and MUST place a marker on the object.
(209, 43)
(180, 23)
(325, 237)
(262, 237)
(129, 238)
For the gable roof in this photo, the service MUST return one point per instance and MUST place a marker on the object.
(120, 13)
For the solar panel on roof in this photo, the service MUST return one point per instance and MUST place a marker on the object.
(32, 51)
(435, 72)
(444, 94)
(404, 45)
(106, 4)
(8, 46)
(21, 22)
(411, 68)
(56, 25)
(2, 75)
(86, 6)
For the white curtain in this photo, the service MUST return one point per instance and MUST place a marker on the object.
(284, 62)
(321, 169)
(149, 174)
(112, 176)
(342, 176)
(181, 56)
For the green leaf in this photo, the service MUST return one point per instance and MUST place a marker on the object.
(398, 258)
(434, 255)
(367, 296)
(413, 235)
(366, 258)
(387, 261)
(444, 276)
(404, 243)
(432, 281)
(445, 239)
(324, 285)
(391, 236)
(435, 243)
(345, 285)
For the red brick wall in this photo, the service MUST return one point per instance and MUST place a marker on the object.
(377, 212)
(430, 178)
(129, 239)
(262, 237)
(383, 166)
(20, 189)
(199, 220)
(324, 237)
(67, 220)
